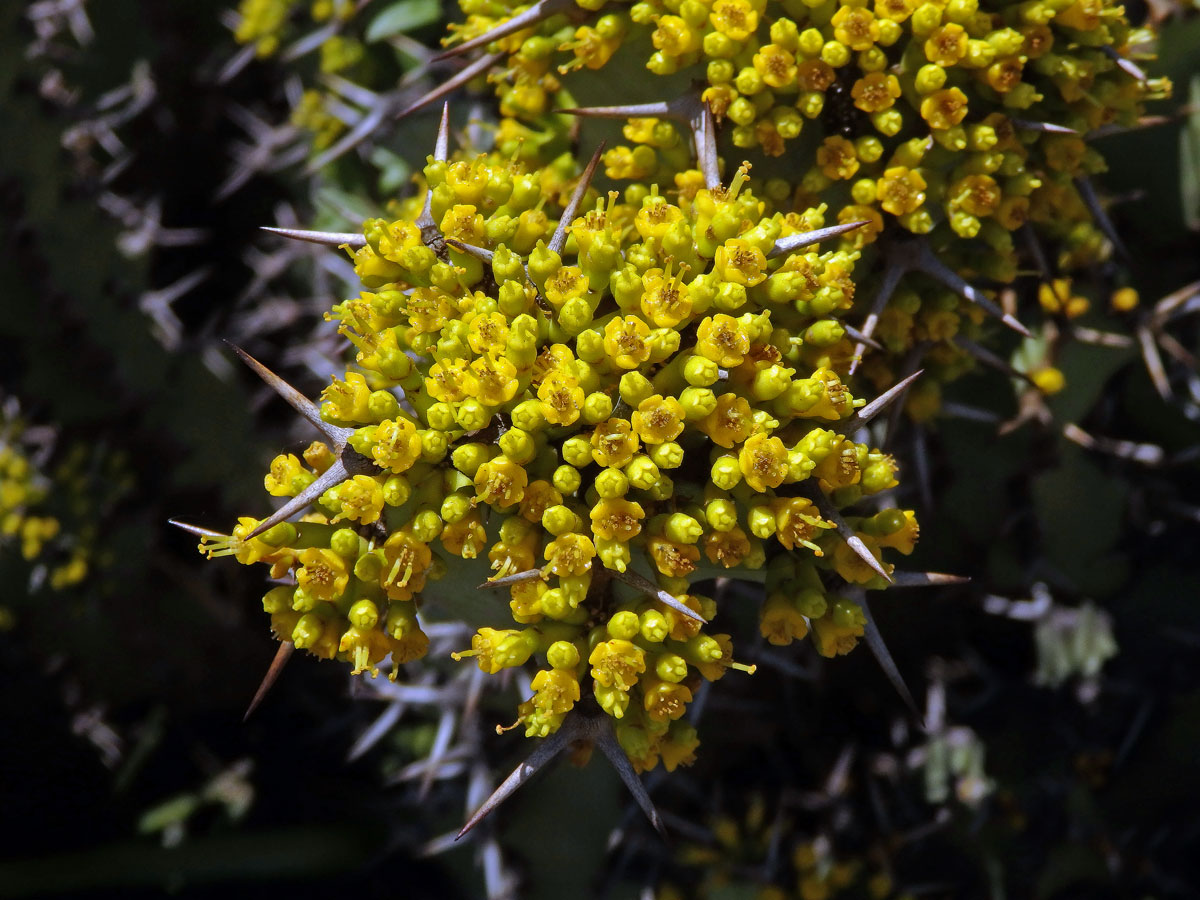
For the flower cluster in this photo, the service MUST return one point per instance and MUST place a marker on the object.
(924, 112)
(49, 514)
(954, 121)
(267, 23)
(609, 406)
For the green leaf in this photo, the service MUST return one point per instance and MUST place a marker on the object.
(407, 15)
(1189, 161)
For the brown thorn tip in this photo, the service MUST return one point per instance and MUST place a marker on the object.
(1015, 324)
(282, 655)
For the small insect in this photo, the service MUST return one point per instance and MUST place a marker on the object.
(840, 116)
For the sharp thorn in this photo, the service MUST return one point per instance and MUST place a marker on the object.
(543, 9)
(196, 529)
(362, 129)
(452, 84)
(471, 250)
(441, 147)
(928, 263)
(282, 655)
(546, 751)
(704, 136)
(926, 579)
(328, 238)
(865, 340)
(1128, 66)
(856, 544)
(658, 109)
(988, 358)
(891, 278)
(559, 239)
(515, 578)
(1154, 363)
(1088, 194)
(879, 648)
(1036, 251)
(829, 511)
(795, 242)
(863, 417)
(295, 399)
(633, 579)
(1046, 127)
(607, 742)
(335, 474)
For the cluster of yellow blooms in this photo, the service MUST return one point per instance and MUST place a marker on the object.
(927, 112)
(608, 407)
(757, 854)
(27, 518)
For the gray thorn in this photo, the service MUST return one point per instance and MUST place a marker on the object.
(327, 238)
(928, 263)
(452, 84)
(794, 242)
(829, 511)
(558, 240)
(863, 417)
(633, 579)
(295, 399)
(891, 278)
(543, 9)
(335, 474)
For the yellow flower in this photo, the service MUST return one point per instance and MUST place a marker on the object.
(466, 537)
(556, 691)
(837, 632)
(728, 548)
(815, 75)
(837, 157)
(561, 398)
(492, 380)
(946, 45)
(360, 498)
(740, 262)
(625, 341)
(346, 401)
(614, 443)
(495, 649)
(405, 561)
(895, 10)
(570, 554)
(448, 380)
(763, 461)
(487, 332)
(672, 559)
(658, 419)
(731, 422)
(875, 91)
(721, 339)
(797, 523)
(736, 19)
(617, 520)
(396, 445)
(781, 622)
(280, 481)
(901, 190)
(501, 482)
(539, 496)
(617, 663)
(776, 65)
(1005, 74)
(322, 573)
(944, 108)
(566, 284)
(855, 27)
(664, 299)
(978, 195)
(664, 701)
(463, 223)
